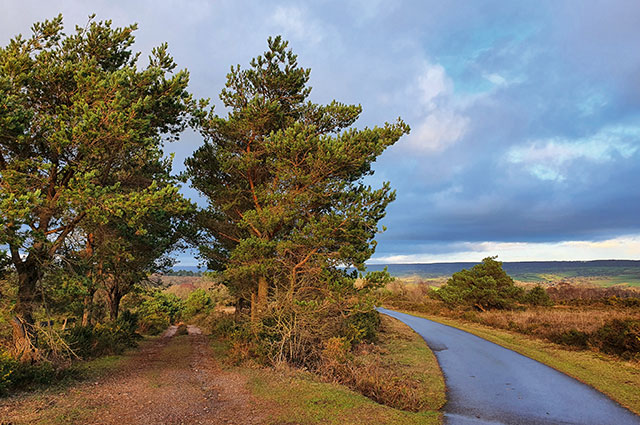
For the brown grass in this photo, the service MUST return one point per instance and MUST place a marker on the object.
(545, 321)
(399, 371)
(585, 315)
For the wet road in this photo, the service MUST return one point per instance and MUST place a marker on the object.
(489, 384)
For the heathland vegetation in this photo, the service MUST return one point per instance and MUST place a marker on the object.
(590, 333)
(90, 213)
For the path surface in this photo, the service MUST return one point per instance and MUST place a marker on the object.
(173, 380)
(489, 384)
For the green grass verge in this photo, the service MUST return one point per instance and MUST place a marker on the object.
(408, 355)
(616, 378)
(300, 398)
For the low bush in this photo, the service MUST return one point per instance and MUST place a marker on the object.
(104, 338)
(8, 366)
(618, 337)
(199, 301)
(485, 286)
(361, 326)
(572, 338)
(159, 311)
(538, 296)
(18, 375)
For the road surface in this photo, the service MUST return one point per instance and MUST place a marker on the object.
(489, 384)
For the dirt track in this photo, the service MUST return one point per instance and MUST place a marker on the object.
(173, 380)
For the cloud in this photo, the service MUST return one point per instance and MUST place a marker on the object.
(295, 23)
(547, 159)
(524, 119)
(442, 122)
(496, 79)
(627, 247)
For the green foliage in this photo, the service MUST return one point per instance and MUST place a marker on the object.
(573, 338)
(199, 301)
(288, 206)
(538, 296)
(485, 286)
(361, 326)
(8, 367)
(283, 178)
(104, 338)
(83, 125)
(159, 311)
(619, 337)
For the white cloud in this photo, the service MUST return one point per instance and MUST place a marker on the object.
(442, 122)
(624, 247)
(294, 22)
(547, 159)
(496, 79)
(433, 83)
(439, 130)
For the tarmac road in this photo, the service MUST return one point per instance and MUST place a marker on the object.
(489, 384)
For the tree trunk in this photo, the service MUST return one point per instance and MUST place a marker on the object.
(238, 311)
(114, 304)
(263, 289)
(22, 323)
(87, 307)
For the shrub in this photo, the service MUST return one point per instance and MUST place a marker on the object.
(158, 311)
(538, 296)
(8, 366)
(199, 301)
(485, 286)
(619, 337)
(104, 338)
(361, 326)
(15, 374)
(572, 338)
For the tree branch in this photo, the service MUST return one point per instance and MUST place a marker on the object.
(67, 229)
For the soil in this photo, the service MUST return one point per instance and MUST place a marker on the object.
(172, 380)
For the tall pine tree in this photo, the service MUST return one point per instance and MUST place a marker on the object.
(283, 178)
(79, 121)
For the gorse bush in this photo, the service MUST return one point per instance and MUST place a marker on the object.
(18, 375)
(618, 337)
(572, 338)
(158, 312)
(8, 367)
(484, 286)
(537, 296)
(199, 301)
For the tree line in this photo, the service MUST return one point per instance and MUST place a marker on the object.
(88, 201)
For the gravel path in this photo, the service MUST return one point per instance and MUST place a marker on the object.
(489, 384)
(173, 380)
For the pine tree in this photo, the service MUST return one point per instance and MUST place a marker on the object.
(79, 120)
(283, 178)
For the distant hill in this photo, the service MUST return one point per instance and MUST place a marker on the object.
(599, 272)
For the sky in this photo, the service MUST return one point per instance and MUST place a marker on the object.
(525, 116)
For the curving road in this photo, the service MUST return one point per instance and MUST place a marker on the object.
(489, 384)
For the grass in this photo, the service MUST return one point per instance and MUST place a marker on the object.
(300, 397)
(409, 363)
(616, 378)
(545, 322)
